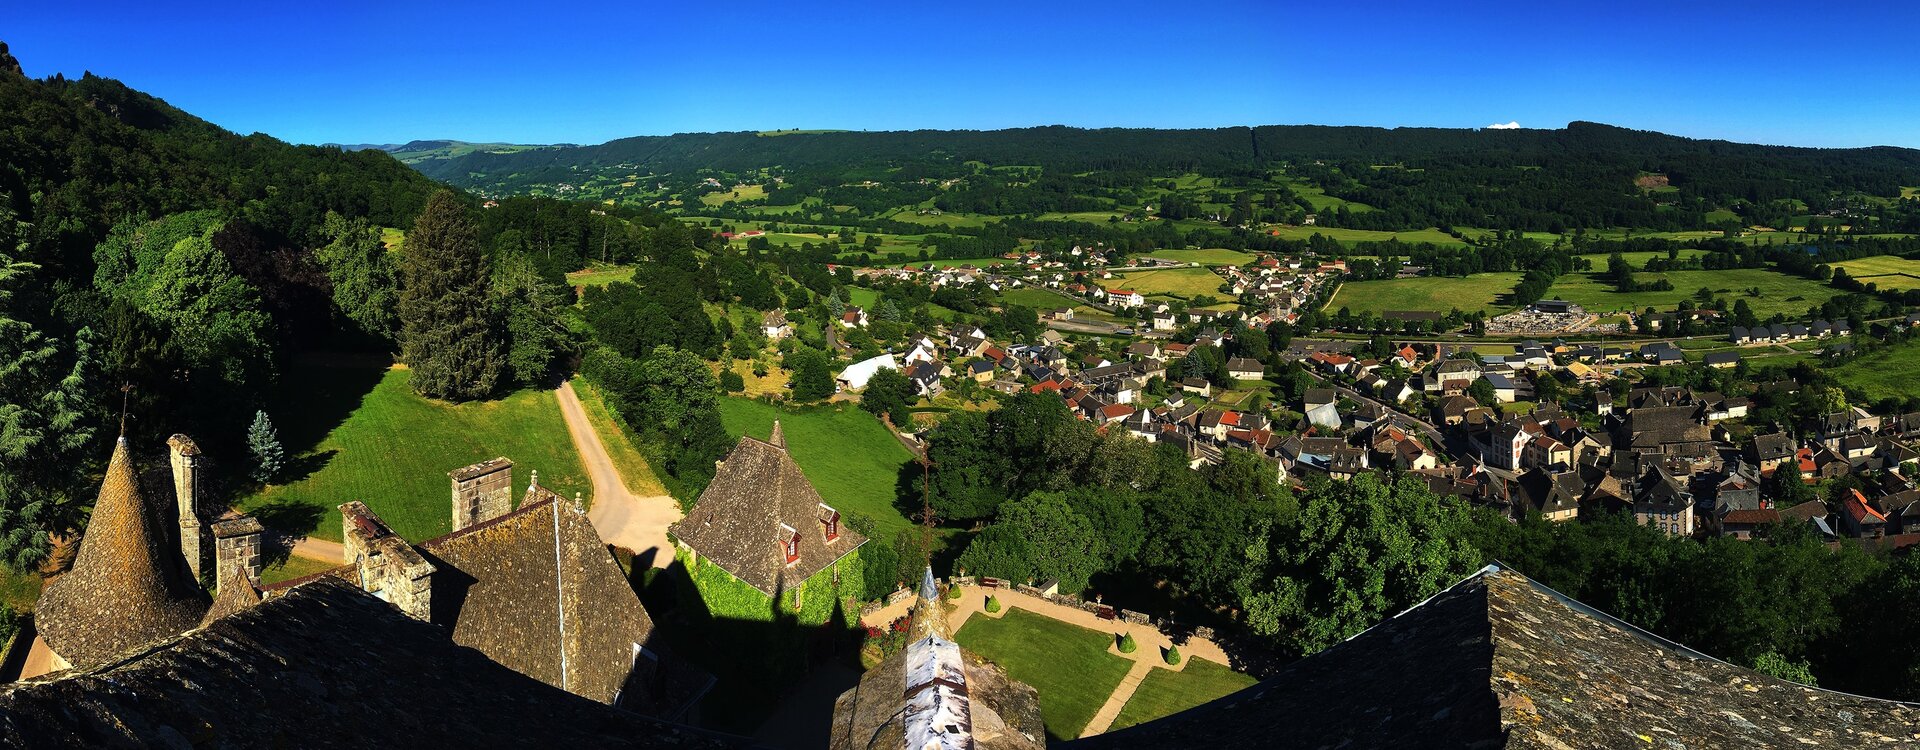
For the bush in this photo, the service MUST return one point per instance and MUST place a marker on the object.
(953, 591)
(732, 381)
(1127, 646)
(993, 604)
(1172, 655)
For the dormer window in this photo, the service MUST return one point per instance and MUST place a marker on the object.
(830, 518)
(792, 544)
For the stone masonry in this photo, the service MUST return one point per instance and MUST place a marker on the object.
(387, 566)
(184, 456)
(481, 492)
(236, 547)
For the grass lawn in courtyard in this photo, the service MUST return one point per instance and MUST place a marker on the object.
(294, 567)
(1481, 291)
(1184, 283)
(360, 433)
(1067, 664)
(848, 455)
(1165, 692)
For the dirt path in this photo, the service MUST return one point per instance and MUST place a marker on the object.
(635, 523)
(320, 549)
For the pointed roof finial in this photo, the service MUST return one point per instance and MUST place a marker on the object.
(126, 389)
(778, 439)
(928, 589)
(533, 480)
(579, 505)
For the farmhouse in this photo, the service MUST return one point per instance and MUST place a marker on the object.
(1242, 368)
(761, 521)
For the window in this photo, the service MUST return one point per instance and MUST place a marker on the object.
(833, 526)
(793, 548)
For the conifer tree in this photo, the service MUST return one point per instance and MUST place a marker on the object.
(264, 442)
(445, 335)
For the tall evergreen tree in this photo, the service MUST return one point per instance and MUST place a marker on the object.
(445, 335)
(264, 443)
(362, 273)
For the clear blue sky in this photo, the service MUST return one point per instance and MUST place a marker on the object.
(1836, 74)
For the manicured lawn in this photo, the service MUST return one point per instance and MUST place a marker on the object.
(1779, 293)
(1883, 374)
(1441, 294)
(1173, 282)
(1067, 664)
(633, 467)
(294, 567)
(1218, 256)
(1165, 692)
(359, 433)
(848, 455)
(600, 275)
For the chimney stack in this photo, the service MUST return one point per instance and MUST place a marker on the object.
(184, 457)
(481, 492)
(236, 545)
(387, 566)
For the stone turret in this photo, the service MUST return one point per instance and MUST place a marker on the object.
(481, 492)
(184, 457)
(387, 566)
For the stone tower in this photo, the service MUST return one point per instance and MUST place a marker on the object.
(481, 492)
(184, 456)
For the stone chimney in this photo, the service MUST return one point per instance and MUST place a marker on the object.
(236, 549)
(481, 492)
(387, 566)
(184, 456)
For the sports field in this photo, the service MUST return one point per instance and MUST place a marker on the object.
(1483, 291)
(1173, 282)
(1778, 293)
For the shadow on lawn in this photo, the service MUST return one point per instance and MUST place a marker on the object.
(293, 520)
(318, 396)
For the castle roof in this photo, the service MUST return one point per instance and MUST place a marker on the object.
(325, 665)
(536, 590)
(932, 695)
(758, 501)
(127, 587)
(1501, 661)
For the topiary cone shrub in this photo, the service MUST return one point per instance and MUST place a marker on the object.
(1172, 655)
(953, 591)
(1127, 646)
(993, 604)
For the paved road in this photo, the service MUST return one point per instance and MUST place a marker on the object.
(623, 520)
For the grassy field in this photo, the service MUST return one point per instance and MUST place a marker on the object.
(1173, 282)
(1165, 692)
(1218, 256)
(294, 567)
(359, 433)
(634, 469)
(600, 275)
(1779, 293)
(1884, 374)
(851, 459)
(1035, 297)
(1067, 664)
(1350, 236)
(740, 193)
(1637, 260)
(1436, 293)
(1884, 271)
(943, 221)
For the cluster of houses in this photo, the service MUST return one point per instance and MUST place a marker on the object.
(1784, 332)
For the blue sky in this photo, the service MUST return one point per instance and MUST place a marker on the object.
(1836, 74)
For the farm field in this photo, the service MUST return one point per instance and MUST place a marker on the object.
(1884, 271)
(600, 275)
(1218, 256)
(1068, 665)
(360, 433)
(1035, 297)
(1779, 293)
(1481, 291)
(944, 220)
(741, 193)
(1173, 282)
(846, 453)
(1638, 260)
(1350, 236)
(1884, 374)
(1165, 692)
(1092, 217)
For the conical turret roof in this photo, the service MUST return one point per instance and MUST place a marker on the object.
(126, 588)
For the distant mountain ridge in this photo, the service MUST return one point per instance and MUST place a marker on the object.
(413, 152)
